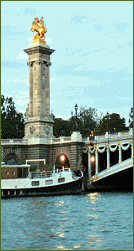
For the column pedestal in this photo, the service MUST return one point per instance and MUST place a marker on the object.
(39, 124)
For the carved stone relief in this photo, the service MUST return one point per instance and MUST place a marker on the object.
(32, 129)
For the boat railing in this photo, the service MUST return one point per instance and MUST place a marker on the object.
(46, 174)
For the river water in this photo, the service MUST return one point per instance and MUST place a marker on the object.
(90, 221)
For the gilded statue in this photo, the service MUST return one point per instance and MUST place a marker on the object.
(40, 28)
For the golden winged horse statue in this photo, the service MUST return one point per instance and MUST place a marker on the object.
(40, 28)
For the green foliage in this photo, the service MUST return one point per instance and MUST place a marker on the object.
(48, 168)
(87, 121)
(33, 168)
(112, 123)
(61, 127)
(12, 122)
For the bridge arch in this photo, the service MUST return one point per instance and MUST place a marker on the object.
(11, 159)
(11, 156)
(62, 160)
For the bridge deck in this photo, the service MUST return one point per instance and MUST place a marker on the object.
(119, 175)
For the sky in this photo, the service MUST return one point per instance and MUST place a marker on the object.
(93, 60)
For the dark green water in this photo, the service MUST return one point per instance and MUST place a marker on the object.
(91, 221)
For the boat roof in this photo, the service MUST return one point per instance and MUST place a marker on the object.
(25, 165)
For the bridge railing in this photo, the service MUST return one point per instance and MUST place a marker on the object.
(13, 141)
(112, 170)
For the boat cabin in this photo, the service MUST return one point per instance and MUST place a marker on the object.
(14, 171)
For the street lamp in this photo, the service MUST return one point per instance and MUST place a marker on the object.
(76, 108)
(76, 122)
(92, 158)
(91, 138)
(107, 118)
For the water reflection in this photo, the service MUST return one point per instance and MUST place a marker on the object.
(77, 246)
(95, 240)
(67, 223)
(60, 204)
(61, 235)
(93, 197)
(63, 248)
(93, 216)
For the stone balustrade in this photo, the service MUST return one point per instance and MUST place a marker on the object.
(76, 136)
(13, 141)
(111, 137)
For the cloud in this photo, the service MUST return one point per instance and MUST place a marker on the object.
(48, 40)
(10, 30)
(130, 44)
(53, 79)
(22, 98)
(23, 80)
(12, 64)
(121, 27)
(99, 27)
(29, 11)
(79, 19)
(22, 55)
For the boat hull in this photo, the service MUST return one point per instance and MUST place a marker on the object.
(73, 187)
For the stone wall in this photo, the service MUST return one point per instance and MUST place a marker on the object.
(72, 150)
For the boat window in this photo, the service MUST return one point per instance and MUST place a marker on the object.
(49, 182)
(60, 180)
(35, 183)
(25, 172)
(7, 173)
(19, 172)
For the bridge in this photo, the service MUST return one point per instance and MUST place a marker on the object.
(119, 176)
(110, 161)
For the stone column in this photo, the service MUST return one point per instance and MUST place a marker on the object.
(96, 161)
(39, 124)
(108, 157)
(30, 111)
(37, 89)
(120, 153)
(89, 163)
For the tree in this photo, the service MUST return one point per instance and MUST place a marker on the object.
(112, 123)
(61, 127)
(87, 121)
(12, 122)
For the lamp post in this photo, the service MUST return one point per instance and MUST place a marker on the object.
(91, 156)
(91, 138)
(107, 119)
(76, 116)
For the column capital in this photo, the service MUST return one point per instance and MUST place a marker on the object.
(30, 63)
(107, 150)
(119, 143)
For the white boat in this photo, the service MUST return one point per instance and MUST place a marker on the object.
(18, 181)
